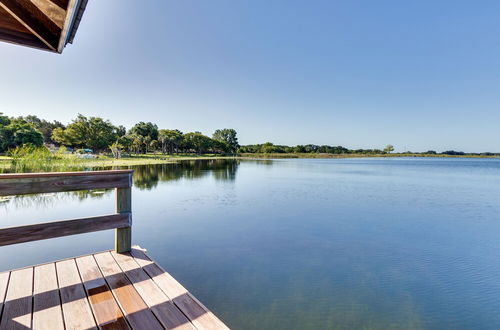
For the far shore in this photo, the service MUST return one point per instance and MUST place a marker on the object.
(103, 161)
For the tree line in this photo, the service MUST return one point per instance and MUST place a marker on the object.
(101, 135)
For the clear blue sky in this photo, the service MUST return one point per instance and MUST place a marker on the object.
(359, 73)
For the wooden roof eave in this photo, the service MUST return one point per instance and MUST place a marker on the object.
(42, 24)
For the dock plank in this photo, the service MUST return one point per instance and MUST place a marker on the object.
(198, 314)
(4, 281)
(18, 303)
(135, 309)
(47, 313)
(105, 290)
(75, 305)
(163, 308)
(106, 310)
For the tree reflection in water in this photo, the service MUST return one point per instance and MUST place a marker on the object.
(145, 177)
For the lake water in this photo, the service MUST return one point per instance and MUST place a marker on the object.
(307, 244)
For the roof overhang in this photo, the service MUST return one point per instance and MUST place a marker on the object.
(42, 24)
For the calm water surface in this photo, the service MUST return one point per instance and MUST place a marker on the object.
(307, 244)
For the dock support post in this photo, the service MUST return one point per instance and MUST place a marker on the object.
(123, 236)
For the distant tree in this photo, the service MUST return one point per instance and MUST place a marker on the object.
(16, 132)
(93, 132)
(44, 126)
(431, 152)
(137, 144)
(4, 134)
(453, 153)
(197, 142)
(227, 136)
(170, 140)
(19, 133)
(145, 129)
(388, 149)
(121, 131)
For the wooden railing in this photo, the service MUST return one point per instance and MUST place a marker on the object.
(34, 183)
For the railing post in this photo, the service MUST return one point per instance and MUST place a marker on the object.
(123, 236)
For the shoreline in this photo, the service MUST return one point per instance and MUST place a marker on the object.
(154, 159)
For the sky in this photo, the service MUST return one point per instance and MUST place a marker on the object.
(419, 75)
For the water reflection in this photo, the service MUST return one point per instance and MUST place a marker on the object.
(148, 176)
(145, 177)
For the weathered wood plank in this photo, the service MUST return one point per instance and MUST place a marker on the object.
(48, 230)
(103, 304)
(166, 312)
(198, 314)
(34, 20)
(136, 311)
(4, 281)
(123, 236)
(21, 184)
(47, 313)
(18, 303)
(75, 305)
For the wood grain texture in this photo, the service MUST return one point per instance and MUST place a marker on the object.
(106, 310)
(123, 236)
(106, 290)
(18, 303)
(21, 184)
(4, 281)
(63, 4)
(47, 313)
(75, 305)
(197, 313)
(34, 20)
(163, 308)
(135, 309)
(62, 228)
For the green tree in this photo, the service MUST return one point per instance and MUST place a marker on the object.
(44, 126)
(4, 134)
(17, 132)
(170, 140)
(23, 133)
(145, 129)
(388, 149)
(227, 136)
(197, 142)
(93, 132)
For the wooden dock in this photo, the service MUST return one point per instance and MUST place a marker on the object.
(116, 289)
(103, 290)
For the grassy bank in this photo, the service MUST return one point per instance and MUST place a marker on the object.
(70, 162)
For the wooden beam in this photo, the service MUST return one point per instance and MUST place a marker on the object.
(123, 236)
(63, 4)
(35, 20)
(68, 23)
(40, 231)
(21, 184)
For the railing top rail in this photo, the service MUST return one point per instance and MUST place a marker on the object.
(34, 183)
(60, 174)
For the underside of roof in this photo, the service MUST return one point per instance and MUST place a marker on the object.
(42, 24)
